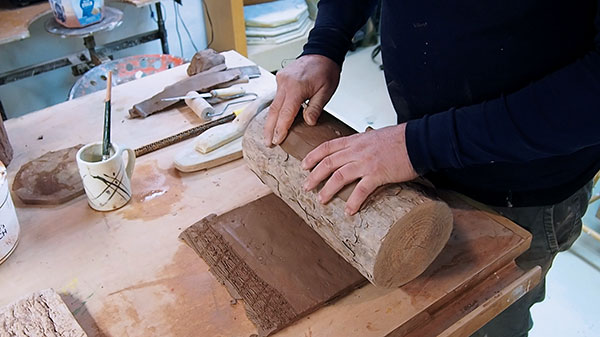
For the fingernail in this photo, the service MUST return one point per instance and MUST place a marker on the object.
(320, 198)
(303, 165)
(305, 186)
(347, 211)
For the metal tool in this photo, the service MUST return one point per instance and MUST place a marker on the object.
(179, 137)
(226, 93)
(106, 139)
(211, 115)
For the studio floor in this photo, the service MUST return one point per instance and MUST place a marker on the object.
(572, 305)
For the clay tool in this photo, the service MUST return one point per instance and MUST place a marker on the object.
(215, 114)
(106, 139)
(181, 136)
(226, 93)
(199, 105)
(190, 160)
(224, 134)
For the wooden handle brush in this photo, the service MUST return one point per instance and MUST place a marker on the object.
(106, 138)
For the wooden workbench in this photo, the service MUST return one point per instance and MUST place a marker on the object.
(124, 273)
(15, 21)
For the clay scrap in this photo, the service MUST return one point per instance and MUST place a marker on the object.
(42, 314)
(204, 60)
(202, 82)
(51, 179)
(266, 255)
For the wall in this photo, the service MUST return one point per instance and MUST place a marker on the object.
(50, 88)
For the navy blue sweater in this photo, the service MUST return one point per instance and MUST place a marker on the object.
(502, 98)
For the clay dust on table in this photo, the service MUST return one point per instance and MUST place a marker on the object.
(155, 191)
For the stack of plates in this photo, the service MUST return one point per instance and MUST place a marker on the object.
(276, 22)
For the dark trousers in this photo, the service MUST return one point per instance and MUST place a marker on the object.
(554, 229)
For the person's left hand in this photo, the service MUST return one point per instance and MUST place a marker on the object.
(376, 158)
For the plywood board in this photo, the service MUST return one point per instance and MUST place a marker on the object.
(252, 239)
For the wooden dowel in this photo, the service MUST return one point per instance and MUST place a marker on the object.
(108, 87)
(591, 232)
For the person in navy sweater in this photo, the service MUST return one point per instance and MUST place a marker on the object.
(499, 100)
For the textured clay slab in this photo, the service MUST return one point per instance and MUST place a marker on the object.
(266, 255)
(51, 179)
(41, 314)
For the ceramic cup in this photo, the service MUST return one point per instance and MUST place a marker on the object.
(107, 183)
(9, 224)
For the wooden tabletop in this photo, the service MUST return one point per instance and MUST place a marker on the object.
(124, 273)
(15, 21)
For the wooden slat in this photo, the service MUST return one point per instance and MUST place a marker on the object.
(227, 24)
(473, 309)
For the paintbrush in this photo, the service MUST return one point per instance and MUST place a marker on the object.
(106, 139)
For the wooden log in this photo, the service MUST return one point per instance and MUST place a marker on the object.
(6, 150)
(397, 233)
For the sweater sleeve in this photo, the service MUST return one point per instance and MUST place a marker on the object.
(557, 115)
(337, 22)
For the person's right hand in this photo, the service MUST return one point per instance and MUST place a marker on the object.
(312, 77)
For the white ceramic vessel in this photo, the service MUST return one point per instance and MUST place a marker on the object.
(9, 224)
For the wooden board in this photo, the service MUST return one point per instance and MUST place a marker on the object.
(14, 22)
(124, 273)
(229, 30)
(42, 313)
(266, 255)
(255, 235)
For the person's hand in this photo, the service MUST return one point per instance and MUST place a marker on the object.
(312, 77)
(375, 157)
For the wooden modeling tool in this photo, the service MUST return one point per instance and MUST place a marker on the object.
(191, 160)
(224, 134)
(106, 139)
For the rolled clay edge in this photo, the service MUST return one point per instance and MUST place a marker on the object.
(412, 243)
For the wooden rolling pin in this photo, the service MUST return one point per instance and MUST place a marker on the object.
(393, 238)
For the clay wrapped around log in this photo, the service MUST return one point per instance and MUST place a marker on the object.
(394, 237)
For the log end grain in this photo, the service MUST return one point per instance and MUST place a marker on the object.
(412, 244)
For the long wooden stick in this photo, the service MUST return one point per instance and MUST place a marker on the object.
(181, 136)
(591, 232)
